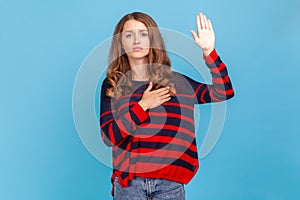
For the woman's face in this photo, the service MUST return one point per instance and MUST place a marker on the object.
(135, 39)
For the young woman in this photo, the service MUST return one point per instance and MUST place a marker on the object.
(147, 109)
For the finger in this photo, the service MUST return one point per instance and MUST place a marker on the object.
(193, 34)
(163, 96)
(166, 95)
(149, 87)
(162, 91)
(202, 22)
(205, 21)
(198, 23)
(165, 100)
(210, 25)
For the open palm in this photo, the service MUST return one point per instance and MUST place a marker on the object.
(205, 38)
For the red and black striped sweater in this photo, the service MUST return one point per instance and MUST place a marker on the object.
(159, 142)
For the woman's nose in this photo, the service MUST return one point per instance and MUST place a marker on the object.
(136, 38)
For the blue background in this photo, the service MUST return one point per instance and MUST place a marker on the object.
(42, 45)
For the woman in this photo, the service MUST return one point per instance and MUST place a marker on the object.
(147, 109)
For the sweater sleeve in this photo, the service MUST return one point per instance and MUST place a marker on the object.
(221, 88)
(115, 128)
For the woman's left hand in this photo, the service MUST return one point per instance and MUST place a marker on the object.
(205, 38)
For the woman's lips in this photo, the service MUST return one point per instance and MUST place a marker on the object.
(137, 49)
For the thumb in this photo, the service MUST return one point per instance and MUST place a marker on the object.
(149, 87)
(193, 34)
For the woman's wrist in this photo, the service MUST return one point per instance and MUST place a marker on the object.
(206, 52)
(142, 104)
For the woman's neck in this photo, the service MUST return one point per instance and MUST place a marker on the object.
(139, 69)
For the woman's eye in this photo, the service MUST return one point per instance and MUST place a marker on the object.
(144, 34)
(127, 35)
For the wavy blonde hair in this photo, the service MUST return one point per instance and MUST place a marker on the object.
(159, 65)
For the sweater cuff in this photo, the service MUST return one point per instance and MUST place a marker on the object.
(139, 113)
(211, 58)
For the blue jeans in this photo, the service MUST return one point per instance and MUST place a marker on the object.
(149, 189)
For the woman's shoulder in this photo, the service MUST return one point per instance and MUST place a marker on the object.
(184, 84)
(179, 77)
(105, 83)
(176, 75)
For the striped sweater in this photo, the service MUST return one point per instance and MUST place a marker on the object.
(159, 142)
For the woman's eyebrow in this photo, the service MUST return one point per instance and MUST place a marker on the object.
(140, 30)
